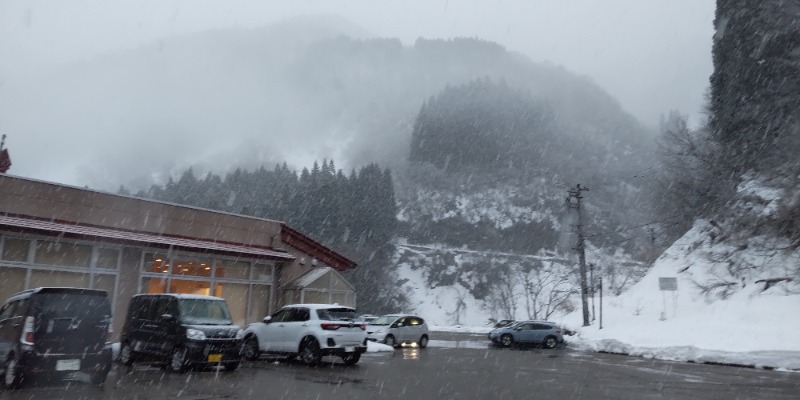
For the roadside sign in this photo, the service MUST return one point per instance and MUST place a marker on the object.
(671, 285)
(668, 283)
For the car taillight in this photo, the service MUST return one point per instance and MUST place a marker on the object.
(363, 327)
(27, 331)
(330, 327)
(558, 330)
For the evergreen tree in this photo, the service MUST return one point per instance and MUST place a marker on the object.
(480, 124)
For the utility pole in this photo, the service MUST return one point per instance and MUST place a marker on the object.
(591, 286)
(576, 195)
(601, 302)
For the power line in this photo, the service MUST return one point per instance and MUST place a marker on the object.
(646, 224)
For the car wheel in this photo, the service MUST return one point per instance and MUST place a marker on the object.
(506, 340)
(250, 349)
(231, 366)
(423, 341)
(351, 358)
(310, 353)
(12, 378)
(177, 362)
(550, 342)
(390, 341)
(126, 354)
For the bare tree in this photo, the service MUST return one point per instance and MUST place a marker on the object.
(502, 298)
(461, 305)
(544, 288)
(693, 180)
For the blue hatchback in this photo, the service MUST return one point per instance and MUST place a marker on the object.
(546, 333)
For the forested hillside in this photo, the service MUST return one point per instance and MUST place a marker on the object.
(354, 214)
(494, 163)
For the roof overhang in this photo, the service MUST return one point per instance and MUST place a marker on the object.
(23, 224)
(315, 249)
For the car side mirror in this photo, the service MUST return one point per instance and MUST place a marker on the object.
(167, 317)
(267, 319)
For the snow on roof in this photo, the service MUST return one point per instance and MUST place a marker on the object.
(310, 277)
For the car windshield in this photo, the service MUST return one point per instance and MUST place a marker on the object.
(384, 320)
(337, 314)
(204, 312)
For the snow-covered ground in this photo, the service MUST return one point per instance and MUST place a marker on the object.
(740, 324)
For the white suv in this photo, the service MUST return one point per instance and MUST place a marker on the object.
(309, 331)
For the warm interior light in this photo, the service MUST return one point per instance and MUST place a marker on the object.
(158, 260)
(208, 268)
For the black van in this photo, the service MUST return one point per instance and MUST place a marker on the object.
(57, 332)
(181, 329)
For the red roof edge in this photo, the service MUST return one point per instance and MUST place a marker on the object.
(315, 249)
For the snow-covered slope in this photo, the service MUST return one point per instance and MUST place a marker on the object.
(737, 300)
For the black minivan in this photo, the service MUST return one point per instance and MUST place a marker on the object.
(57, 332)
(182, 330)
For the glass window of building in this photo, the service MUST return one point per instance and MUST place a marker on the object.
(49, 252)
(236, 295)
(155, 262)
(262, 272)
(58, 278)
(191, 267)
(12, 280)
(259, 303)
(107, 258)
(15, 249)
(229, 269)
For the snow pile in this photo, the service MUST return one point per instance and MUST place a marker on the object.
(710, 318)
(375, 347)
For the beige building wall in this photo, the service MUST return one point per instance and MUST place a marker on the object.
(64, 203)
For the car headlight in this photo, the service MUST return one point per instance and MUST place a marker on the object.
(195, 334)
(240, 334)
(380, 331)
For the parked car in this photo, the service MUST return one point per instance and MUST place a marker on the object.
(398, 330)
(366, 318)
(504, 322)
(309, 331)
(60, 332)
(546, 333)
(183, 330)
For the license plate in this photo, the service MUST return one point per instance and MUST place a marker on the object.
(349, 349)
(68, 365)
(214, 357)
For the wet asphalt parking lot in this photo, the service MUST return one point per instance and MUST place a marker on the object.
(454, 366)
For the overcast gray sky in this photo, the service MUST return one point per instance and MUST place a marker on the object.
(652, 55)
